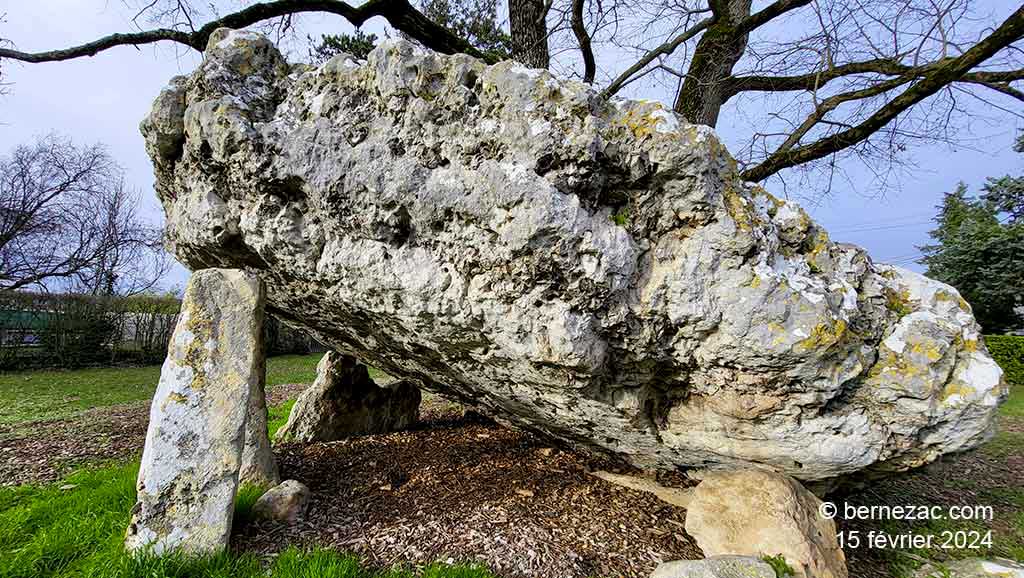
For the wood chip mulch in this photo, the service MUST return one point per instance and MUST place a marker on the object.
(455, 489)
(460, 490)
(47, 451)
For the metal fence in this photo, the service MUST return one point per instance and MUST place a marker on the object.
(68, 331)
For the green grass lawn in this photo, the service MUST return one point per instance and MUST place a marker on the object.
(78, 531)
(47, 532)
(278, 416)
(1007, 529)
(44, 395)
(1014, 406)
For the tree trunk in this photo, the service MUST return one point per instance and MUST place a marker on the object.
(701, 96)
(528, 24)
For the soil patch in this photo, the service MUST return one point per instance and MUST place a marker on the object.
(46, 451)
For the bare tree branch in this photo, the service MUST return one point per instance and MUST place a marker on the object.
(884, 66)
(578, 28)
(769, 13)
(399, 14)
(939, 77)
(663, 50)
(66, 218)
(95, 47)
(1002, 87)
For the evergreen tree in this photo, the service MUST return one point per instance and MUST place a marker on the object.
(979, 249)
(358, 44)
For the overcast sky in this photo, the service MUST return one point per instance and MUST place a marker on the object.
(102, 99)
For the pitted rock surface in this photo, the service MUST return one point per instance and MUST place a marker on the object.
(259, 468)
(194, 446)
(593, 270)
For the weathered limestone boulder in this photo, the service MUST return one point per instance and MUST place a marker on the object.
(285, 502)
(193, 454)
(344, 401)
(757, 512)
(592, 269)
(973, 568)
(715, 567)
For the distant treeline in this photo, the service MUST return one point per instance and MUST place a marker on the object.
(66, 331)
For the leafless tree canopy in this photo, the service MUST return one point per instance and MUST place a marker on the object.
(67, 222)
(821, 80)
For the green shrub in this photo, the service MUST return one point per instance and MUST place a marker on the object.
(1008, 351)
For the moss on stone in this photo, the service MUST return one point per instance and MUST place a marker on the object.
(823, 335)
(898, 302)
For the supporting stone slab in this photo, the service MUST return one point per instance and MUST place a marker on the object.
(197, 426)
(344, 401)
(258, 465)
(757, 512)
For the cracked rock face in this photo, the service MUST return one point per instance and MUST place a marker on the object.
(594, 270)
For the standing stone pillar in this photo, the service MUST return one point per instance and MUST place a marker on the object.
(258, 465)
(197, 423)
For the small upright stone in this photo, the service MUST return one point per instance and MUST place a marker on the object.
(284, 503)
(344, 401)
(190, 465)
(758, 512)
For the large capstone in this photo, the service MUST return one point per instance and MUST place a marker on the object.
(194, 446)
(595, 270)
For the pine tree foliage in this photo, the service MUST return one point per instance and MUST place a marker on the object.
(979, 249)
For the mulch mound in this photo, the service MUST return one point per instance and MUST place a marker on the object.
(47, 451)
(467, 491)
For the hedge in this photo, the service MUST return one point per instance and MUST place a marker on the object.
(1008, 351)
(41, 330)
